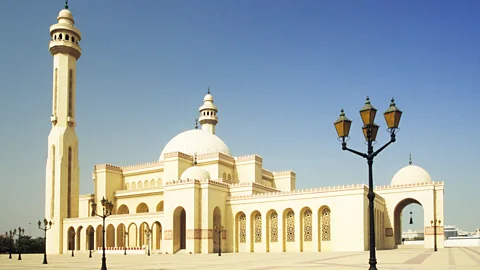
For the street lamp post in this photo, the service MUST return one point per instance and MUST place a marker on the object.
(73, 243)
(370, 129)
(148, 232)
(219, 229)
(12, 234)
(125, 242)
(46, 227)
(92, 231)
(107, 211)
(21, 232)
(434, 224)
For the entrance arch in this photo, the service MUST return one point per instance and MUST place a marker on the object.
(179, 229)
(399, 218)
(217, 220)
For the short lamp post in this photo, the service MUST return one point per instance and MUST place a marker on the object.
(47, 225)
(370, 129)
(148, 233)
(125, 235)
(434, 224)
(11, 235)
(91, 233)
(21, 232)
(107, 211)
(219, 229)
(72, 234)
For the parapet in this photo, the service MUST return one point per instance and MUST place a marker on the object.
(253, 157)
(423, 184)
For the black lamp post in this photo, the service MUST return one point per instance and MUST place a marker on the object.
(370, 129)
(107, 211)
(20, 233)
(12, 234)
(125, 234)
(92, 231)
(148, 232)
(219, 229)
(46, 227)
(434, 224)
(73, 243)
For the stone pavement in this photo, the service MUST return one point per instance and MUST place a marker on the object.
(466, 258)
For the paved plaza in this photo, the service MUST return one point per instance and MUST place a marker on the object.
(405, 259)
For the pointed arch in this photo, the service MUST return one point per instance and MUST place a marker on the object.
(146, 184)
(123, 209)
(79, 237)
(160, 206)
(152, 183)
(217, 221)
(288, 229)
(240, 230)
(255, 229)
(121, 235)
(99, 236)
(324, 228)
(110, 236)
(142, 208)
(132, 235)
(90, 238)
(71, 238)
(157, 236)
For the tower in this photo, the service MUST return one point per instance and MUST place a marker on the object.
(208, 113)
(62, 170)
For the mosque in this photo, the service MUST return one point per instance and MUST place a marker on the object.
(178, 203)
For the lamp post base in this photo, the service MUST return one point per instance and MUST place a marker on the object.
(104, 263)
(45, 258)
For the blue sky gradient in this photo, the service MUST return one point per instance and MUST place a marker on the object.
(280, 71)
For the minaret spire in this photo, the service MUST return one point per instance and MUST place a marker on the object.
(410, 162)
(196, 123)
(208, 113)
(195, 159)
(66, 4)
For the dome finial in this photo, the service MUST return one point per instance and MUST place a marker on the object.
(66, 4)
(410, 162)
(208, 92)
(195, 159)
(196, 123)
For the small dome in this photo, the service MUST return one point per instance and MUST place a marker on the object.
(196, 173)
(195, 141)
(208, 97)
(65, 14)
(410, 174)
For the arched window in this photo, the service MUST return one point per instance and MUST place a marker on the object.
(139, 185)
(60, 36)
(290, 226)
(274, 227)
(307, 225)
(258, 228)
(224, 177)
(229, 177)
(69, 185)
(52, 199)
(326, 224)
(243, 228)
(152, 183)
(159, 182)
(73, 39)
(70, 93)
(66, 36)
(145, 184)
(127, 186)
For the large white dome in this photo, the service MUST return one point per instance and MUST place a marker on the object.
(410, 174)
(196, 173)
(195, 141)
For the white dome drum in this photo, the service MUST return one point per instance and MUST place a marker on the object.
(410, 174)
(195, 141)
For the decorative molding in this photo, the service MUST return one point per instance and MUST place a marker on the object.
(253, 157)
(107, 167)
(297, 191)
(147, 165)
(219, 155)
(430, 230)
(423, 184)
(177, 155)
(285, 173)
(199, 234)
(388, 232)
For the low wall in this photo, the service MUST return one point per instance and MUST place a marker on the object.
(462, 242)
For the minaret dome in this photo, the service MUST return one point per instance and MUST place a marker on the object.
(208, 114)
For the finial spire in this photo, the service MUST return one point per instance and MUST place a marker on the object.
(410, 162)
(208, 92)
(196, 123)
(195, 159)
(66, 4)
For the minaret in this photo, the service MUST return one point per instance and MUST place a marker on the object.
(208, 114)
(62, 172)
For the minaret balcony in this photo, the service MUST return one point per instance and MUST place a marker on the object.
(64, 46)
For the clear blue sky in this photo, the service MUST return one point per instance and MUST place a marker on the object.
(280, 72)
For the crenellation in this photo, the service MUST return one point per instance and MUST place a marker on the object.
(147, 165)
(409, 185)
(179, 155)
(249, 158)
(107, 167)
(285, 173)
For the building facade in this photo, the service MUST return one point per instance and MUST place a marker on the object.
(174, 204)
